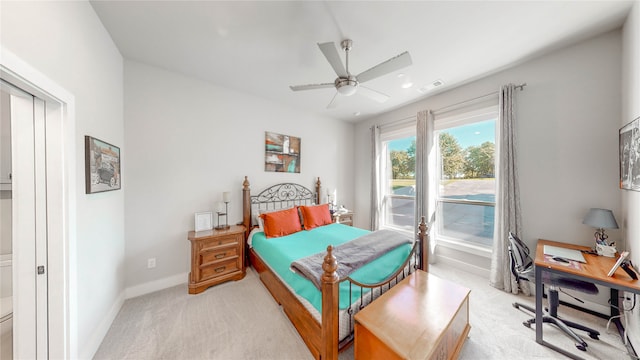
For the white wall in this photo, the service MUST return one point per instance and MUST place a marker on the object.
(630, 110)
(568, 119)
(66, 42)
(188, 141)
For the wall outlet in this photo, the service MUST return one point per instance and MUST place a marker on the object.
(151, 263)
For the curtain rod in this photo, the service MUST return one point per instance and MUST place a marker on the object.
(458, 105)
(449, 107)
(399, 121)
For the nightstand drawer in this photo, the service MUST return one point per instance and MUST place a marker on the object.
(220, 268)
(207, 245)
(218, 253)
(346, 218)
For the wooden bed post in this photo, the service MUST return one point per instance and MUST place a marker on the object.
(246, 205)
(330, 292)
(424, 245)
(318, 191)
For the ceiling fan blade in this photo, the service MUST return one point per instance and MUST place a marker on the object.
(372, 94)
(333, 103)
(331, 53)
(311, 86)
(395, 63)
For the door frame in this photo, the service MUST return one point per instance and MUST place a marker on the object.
(61, 194)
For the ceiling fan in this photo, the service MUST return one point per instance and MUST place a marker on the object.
(347, 84)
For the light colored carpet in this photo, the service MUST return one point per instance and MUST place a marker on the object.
(240, 320)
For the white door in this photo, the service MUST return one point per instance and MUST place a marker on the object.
(29, 225)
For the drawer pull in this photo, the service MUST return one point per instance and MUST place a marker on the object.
(220, 256)
(220, 269)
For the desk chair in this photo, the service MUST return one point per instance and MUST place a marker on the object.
(522, 268)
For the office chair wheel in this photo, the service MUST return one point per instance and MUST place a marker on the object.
(582, 347)
(527, 324)
(594, 336)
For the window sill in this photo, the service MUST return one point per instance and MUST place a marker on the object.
(463, 246)
(398, 229)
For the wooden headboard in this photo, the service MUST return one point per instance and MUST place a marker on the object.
(277, 196)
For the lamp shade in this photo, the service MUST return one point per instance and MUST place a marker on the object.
(600, 219)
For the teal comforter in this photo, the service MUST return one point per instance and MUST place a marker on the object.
(280, 252)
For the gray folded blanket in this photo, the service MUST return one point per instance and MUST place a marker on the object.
(351, 255)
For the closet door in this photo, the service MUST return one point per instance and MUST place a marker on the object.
(41, 247)
(30, 313)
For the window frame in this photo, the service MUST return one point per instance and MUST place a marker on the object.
(388, 134)
(462, 118)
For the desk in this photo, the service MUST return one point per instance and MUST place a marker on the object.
(594, 271)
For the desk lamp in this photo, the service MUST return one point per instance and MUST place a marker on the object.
(600, 219)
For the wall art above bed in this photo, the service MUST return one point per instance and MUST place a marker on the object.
(282, 153)
(630, 156)
(102, 166)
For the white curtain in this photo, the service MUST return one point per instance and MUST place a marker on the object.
(507, 210)
(425, 175)
(376, 153)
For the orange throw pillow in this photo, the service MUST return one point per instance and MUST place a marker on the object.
(314, 216)
(281, 223)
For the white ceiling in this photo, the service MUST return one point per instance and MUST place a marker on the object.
(262, 47)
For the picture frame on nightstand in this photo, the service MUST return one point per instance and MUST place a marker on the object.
(203, 221)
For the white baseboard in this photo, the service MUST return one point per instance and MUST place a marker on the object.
(463, 266)
(155, 285)
(89, 349)
(597, 303)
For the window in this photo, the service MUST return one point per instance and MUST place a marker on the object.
(465, 203)
(398, 183)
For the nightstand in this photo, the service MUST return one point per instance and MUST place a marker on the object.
(216, 256)
(344, 218)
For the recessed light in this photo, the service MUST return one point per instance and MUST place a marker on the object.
(401, 75)
(407, 85)
(437, 82)
(357, 113)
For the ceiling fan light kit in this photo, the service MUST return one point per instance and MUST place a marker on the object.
(347, 84)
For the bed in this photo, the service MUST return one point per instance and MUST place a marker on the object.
(323, 315)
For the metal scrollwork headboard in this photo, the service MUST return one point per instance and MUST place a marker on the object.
(277, 196)
(284, 193)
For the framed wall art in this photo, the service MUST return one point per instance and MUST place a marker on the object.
(282, 153)
(630, 156)
(102, 166)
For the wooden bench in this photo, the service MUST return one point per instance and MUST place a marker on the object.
(422, 317)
